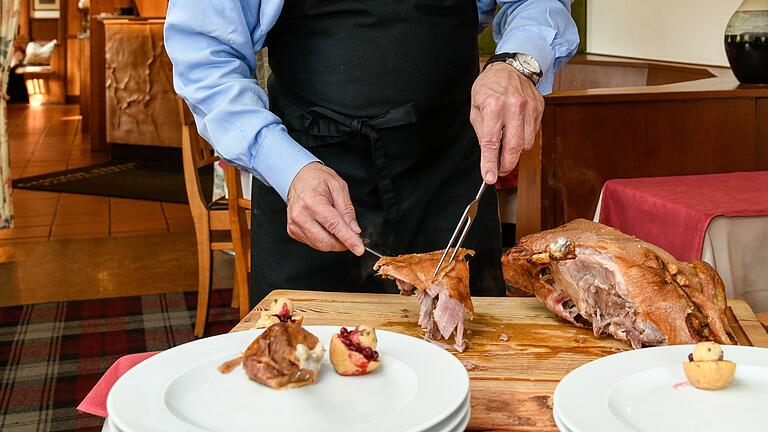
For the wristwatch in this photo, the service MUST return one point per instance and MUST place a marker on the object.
(524, 63)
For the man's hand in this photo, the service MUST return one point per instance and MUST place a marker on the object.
(320, 212)
(506, 110)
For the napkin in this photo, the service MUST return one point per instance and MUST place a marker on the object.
(96, 401)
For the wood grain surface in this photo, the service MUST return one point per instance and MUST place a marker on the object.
(512, 386)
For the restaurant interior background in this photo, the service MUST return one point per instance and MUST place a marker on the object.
(111, 230)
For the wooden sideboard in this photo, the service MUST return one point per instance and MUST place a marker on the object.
(132, 100)
(621, 118)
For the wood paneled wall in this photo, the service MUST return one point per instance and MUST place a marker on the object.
(102, 6)
(43, 29)
(24, 18)
(152, 8)
(74, 27)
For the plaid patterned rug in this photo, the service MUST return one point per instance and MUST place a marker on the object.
(52, 354)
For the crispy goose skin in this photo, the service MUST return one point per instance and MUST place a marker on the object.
(285, 355)
(597, 277)
(444, 300)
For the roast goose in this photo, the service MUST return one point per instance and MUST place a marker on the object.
(284, 355)
(597, 277)
(444, 300)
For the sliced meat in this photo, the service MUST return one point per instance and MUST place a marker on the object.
(444, 300)
(595, 276)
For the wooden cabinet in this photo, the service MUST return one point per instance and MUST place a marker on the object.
(132, 99)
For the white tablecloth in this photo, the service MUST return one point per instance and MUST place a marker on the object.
(737, 247)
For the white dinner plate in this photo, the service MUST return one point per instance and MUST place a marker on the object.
(457, 422)
(109, 426)
(462, 426)
(635, 391)
(452, 422)
(417, 386)
(558, 422)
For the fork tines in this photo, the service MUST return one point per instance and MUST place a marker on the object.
(466, 220)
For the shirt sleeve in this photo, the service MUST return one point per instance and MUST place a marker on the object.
(212, 45)
(543, 29)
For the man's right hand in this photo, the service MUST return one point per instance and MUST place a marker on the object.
(320, 211)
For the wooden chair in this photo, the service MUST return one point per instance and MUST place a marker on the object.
(240, 222)
(763, 318)
(211, 220)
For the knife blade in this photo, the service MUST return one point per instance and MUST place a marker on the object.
(374, 252)
(367, 242)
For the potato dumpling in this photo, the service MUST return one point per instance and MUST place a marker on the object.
(706, 368)
(354, 352)
(707, 351)
(281, 306)
(280, 310)
(710, 375)
(266, 319)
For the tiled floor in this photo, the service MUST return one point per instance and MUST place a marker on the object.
(48, 215)
(69, 247)
(45, 139)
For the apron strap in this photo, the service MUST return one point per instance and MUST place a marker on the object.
(320, 121)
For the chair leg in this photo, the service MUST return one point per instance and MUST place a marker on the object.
(241, 282)
(204, 263)
(235, 292)
(245, 306)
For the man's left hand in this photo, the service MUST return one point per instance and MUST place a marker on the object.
(506, 111)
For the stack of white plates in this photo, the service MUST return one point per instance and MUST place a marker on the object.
(419, 387)
(647, 390)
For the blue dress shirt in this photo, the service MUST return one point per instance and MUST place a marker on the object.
(213, 45)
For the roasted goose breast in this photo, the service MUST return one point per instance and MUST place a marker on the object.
(444, 300)
(284, 355)
(596, 276)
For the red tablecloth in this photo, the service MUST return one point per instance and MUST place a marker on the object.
(674, 212)
(509, 181)
(96, 401)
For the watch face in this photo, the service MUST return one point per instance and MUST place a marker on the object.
(529, 62)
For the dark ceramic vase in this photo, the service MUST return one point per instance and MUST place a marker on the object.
(746, 42)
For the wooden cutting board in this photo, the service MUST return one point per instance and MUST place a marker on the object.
(513, 383)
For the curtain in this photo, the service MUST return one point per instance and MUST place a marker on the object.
(9, 23)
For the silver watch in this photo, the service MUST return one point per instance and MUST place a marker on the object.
(526, 65)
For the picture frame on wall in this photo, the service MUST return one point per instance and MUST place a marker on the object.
(42, 9)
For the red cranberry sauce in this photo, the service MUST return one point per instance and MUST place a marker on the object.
(285, 314)
(351, 341)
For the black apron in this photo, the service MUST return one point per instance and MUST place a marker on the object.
(379, 90)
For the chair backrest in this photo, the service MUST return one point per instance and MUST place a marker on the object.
(202, 152)
(196, 153)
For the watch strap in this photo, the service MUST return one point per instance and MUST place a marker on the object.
(511, 59)
(496, 58)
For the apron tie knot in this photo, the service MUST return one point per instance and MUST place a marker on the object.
(357, 125)
(321, 121)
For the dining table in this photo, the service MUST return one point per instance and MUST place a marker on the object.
(518, 350)
(721, 230)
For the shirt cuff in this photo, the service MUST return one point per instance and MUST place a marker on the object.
(535, 45)
(278, 158)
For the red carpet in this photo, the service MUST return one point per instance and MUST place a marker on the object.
(52, 354)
